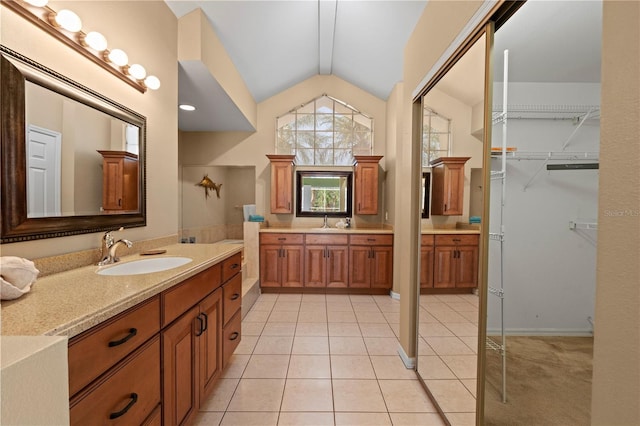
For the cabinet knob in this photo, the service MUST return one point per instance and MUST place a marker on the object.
(134, 399)
(235, 296)
(234, 335)
(235, 266)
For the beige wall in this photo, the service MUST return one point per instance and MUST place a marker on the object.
(616, 358)
(154, 46)
(250, 149)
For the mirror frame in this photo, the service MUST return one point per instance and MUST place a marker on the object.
(15, 226)
(341, 173)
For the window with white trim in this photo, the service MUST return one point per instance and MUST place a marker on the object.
(436, 136)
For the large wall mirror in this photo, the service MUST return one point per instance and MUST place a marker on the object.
(323, 193)
(73, 161)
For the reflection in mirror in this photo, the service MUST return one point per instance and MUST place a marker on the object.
(448, 307)
(323, 193)
(425, 193)
(53, 130)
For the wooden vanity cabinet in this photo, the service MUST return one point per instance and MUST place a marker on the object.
(456, 261)
(326, 259)
(447, 185)
(231, 306)
(119, 181)
(366, 184)
(281, 260)
(426, 261)
(281, 183)
(371, 261)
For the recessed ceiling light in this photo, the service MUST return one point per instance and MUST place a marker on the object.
(187, 107)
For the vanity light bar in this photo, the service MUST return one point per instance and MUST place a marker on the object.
(66, 26)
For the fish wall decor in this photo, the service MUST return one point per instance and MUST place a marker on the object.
(208, 184)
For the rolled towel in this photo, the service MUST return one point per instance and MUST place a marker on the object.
(17, 275)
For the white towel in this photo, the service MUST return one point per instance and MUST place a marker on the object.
(16, 276)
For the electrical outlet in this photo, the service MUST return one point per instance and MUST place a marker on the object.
(192, 240)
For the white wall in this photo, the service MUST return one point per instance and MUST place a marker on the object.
(549, 269)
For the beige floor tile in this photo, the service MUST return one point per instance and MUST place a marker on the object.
(246, 345)
(449, 298)
(312, 316)
(351, 367)
(347, 346)
(286, 306)
(463, 366)
(208, 418)
(250, 419)
(461, 419)
(472, 317)
(391, 317)
(376, 330)
(433, 329)
(252, 328)
(235, 367)
(426, 317)
(267, 367)
(470, 384)
(220, 395)
(391, 367)
(339, 306)
(362, 419)
(283, 316)
(309, 345)
(432, 367)
(257, 395)
(462, 329)
(307, 297)
(413, 419)
(435, 306)
(341, 316)
(272, 297)
(365, 307)
(307, 395)
(375, 317)
(312, 329)
(382, 345)
(306, 419)
(361, 298)
(342, 329)
(294, 297)
(448, 316)
(471, 342)
(396, 328)
(309, 367)
(389, 306)
(424, 348)
(263, 305)
(279, 329)
(462, 306)
(406, 396)
(452, 396)
(273, 345)
(257, 316)
(448, 346)
(358, 396)
(313, 306)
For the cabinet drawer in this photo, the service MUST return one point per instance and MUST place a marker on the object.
(281, 238)
(180, 298)
(127, 395)
(457, 239)
(371, 240)
(232, 295)
(231, 336)
(231, 266)
(427, 240)
(314, 239)
(97, 350)
(155, 418)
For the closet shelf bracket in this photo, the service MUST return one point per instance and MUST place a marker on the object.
(573, 225)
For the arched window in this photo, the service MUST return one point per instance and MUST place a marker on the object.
(436, 136)
(324, 131)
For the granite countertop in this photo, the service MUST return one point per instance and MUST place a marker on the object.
(326, 231)
(71, 302)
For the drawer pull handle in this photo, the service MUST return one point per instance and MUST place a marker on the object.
(206, 322)
(234, 335)
(134, 399)
(457, 240)
(235, 296)
(371, 239)
(132, 332)
(235, 266)
(282, 238)
(201, 328)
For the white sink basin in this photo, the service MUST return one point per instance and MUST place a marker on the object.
(144, 266)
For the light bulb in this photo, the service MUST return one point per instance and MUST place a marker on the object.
(118, 57)
(137, 71)
(186, 107)
(38, 3)
(96, 41)
(68, 20)
(152, 82)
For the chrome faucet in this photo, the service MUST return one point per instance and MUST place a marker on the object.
(325, 224)
(110, 246)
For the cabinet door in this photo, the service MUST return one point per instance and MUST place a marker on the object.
(179, 373)
(444, 267)
(292, 266)
(337, 266)
(453, 189)
(112, 183)
(360, 264)
(467, 267)
(366, 188)
(382, 267)
(210, 341)
(426, 267)
(270, 265)
(315, 259)
(281, 186)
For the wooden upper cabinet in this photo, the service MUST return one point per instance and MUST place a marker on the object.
(281, 183)
(447, 189)
(119, 181)
(366, 184)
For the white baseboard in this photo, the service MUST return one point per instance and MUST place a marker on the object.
(542, 332)
(394, 295)
(409, 363)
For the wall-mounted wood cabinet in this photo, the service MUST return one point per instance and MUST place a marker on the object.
(281, 183)
(366, 184)
(119, 181)
(456, 261)
(447, 185)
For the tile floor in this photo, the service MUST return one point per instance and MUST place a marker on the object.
(319, 360)
(447, 353)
